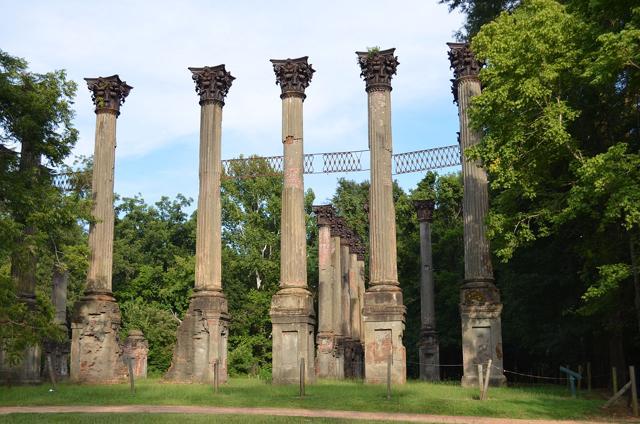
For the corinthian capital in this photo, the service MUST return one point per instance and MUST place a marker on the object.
(212, 83)
(324, 214)
(377, 68)
(293, 75)
(463, 63)
(108, 93)
(424, 209)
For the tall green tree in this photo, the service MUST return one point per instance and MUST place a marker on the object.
(36, 118)
(559, 116)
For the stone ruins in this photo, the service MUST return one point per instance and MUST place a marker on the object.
(360, 326)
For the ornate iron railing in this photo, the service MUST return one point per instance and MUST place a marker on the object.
(326, 163)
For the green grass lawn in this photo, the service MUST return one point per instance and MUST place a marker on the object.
(414, 397)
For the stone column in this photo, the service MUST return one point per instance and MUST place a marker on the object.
(136, 347)
(58, 351)
(95, 346)
(360, 276)
(355, 307)
(325, 338)
(480, 306)
(203, 333)
(383, 308)
(292, 313)
(336, 284)
(345, 301)
(429, 350)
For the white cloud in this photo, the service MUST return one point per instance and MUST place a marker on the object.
(150, 44)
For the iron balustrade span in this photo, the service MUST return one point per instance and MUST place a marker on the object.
(354, 161)
(326, 163)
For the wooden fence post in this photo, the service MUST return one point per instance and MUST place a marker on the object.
(302, 377)
(614, 380)
(589, 377)
(480, 381)
(634, 390)
(580, 379)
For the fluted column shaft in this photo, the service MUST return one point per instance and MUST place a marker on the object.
(99, 276)
(293, 259)
(209, 225)
(382, 224)
(345, 260)
(477, 264)
(355, 307)
(427, 289)
(336, 282)
(325, 276)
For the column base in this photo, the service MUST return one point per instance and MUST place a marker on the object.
(96, 351)
(480, 311)
(59, 354)
(353, 359)
(429, 354)
(383, 316)
(293, 320)
(26, 372)
(329, 356)
(201, 339)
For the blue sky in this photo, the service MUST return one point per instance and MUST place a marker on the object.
(150, 44)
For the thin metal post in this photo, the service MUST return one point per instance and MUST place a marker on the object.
(480, 381)
(52, 375)
(301, 377)
(130, 364)
(634, 390)
(389, 376)
(589, 377)
(614, 380)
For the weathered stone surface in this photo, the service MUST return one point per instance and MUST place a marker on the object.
(28, 370)
(292, 314)
(293, 75)
(377, 68)
(383, 308)
(326, 363)
(96, 351)
(212, 83)
(108, 93)
(428, 347)
(95, 346)
(203, 333)
(58, 351)
(201, 340)
(136, 347)
(480, 306)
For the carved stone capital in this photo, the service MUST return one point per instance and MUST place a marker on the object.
(360, 251)
(212, 83)
(354, 242)
(108, 93)
(293, 75)
(424, 209)
(377, 68)
(463, 63)
(324, 214)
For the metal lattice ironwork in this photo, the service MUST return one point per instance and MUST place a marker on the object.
(424, 160)
(325, 163)
(342, 161)
(63, 181)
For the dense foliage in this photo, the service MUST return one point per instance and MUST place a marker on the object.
(38, 223)
(560, 115)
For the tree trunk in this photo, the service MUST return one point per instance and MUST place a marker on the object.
(634, 271)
